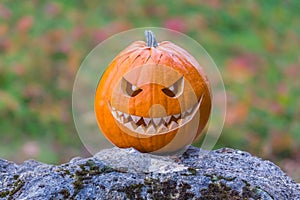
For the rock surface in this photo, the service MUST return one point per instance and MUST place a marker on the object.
(127, 174)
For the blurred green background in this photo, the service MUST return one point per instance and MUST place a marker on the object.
(255, 44)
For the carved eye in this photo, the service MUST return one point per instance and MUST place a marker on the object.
(129, 89)
(175, 89)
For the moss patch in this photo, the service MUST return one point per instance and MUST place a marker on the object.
(65, 193)
(219, 190)
(4, 194)
(133, 191)
(86, 172)
(15, 188)
(169, 189)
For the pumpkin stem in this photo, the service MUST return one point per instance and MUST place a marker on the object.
(150, 38)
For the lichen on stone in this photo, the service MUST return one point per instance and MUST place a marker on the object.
(127, 174)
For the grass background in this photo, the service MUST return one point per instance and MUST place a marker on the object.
(255, 44)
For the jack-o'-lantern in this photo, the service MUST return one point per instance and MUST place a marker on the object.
(153, 97)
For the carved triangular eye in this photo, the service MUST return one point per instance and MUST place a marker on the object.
(175, 89)
(129, 89)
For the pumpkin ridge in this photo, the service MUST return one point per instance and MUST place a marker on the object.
(128, 51)
(135, 59)
(154, 56)
(127, 59)
(167, 60)
(186, 55)
(135, 54)
(188, 58)
(121, 61)
(159, 59)
(202, 77)
(140, 60)
(147, 59)
(183, 61)
(170, 55)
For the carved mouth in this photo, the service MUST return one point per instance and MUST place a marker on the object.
(152, 126)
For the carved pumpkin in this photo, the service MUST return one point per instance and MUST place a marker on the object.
(153, 97)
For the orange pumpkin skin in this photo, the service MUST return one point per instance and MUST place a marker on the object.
(152, 69)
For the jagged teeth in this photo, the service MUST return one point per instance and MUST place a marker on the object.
(140, 129)
(122, 119)
(179, 121)
(167, 118)
(114, 113)
(144, 125)
(119, 113)
(173, 125)
(151, 129)
(162, 128)
(127, 118)
(147, 121)
(126, 115)
(176, 116)
(156, 121)
(135, 118)
(131, 125)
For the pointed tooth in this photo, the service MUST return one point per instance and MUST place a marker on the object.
(127, 118)
(167, 119)
(184, 114)
(151, 129)
(179, 121)
(119, 113)
(114, 113)
(156, 121)
(140, 129)
(130, 125)
(135, 118)
(173, 125)
(122, 119)
(133, 125)
(125, 115)
(113, 108)
(162, 128)
(176, 116)
(147, 121)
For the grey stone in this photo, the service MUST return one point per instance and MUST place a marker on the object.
(128, 174)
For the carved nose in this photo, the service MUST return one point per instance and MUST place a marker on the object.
(157, 110)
